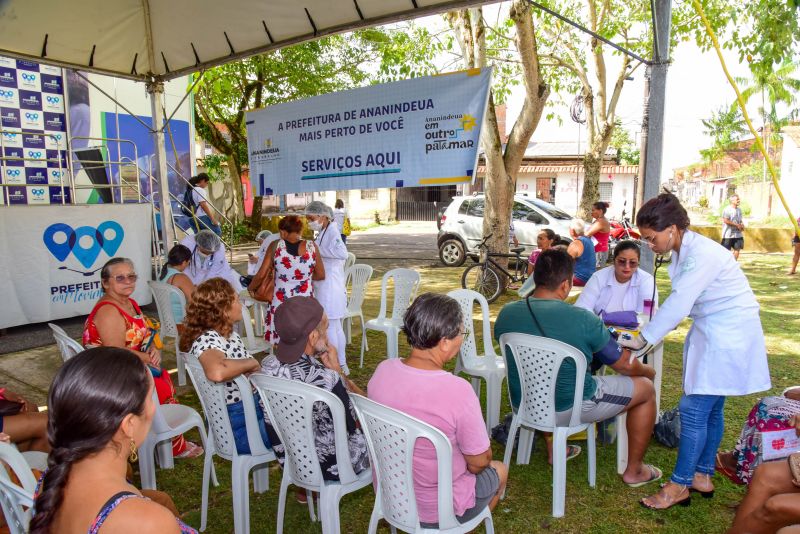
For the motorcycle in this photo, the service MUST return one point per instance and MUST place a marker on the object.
(621, 230)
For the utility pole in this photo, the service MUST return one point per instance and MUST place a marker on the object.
(638, 186)
(662, 16)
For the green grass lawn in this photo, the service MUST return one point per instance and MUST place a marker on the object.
(610, 507)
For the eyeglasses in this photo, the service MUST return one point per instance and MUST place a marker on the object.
(622, 262)
(122, 278)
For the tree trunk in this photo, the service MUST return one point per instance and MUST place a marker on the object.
(255, 215)
(235, 211)
(592, 162)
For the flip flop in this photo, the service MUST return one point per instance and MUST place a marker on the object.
(655, 474)
(727, 473)
(192, 450)
(573, 451)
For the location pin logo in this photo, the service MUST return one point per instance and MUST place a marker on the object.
(59, 250)
(87, 256)
(110, 245)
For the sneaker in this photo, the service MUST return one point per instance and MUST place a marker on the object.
(346, 370)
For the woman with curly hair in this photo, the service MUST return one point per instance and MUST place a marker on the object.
(209, 336)
(101, 409)
(292, 262)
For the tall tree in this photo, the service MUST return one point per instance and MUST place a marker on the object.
(480, 47)
(301, 71)
(598, 70)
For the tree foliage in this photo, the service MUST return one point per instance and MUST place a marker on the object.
(725, 127)
(301, 71)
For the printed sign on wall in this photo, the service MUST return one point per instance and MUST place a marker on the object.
(32, 131)
(418, 132)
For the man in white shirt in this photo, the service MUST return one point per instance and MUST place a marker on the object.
(204, 213)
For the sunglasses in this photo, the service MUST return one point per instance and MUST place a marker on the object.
(623, 262)
(122, 278)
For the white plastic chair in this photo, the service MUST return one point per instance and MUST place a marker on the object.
(259, 311)
(358, 277)
(169, 421)
(16, 500)
(538, 360)
(406, 283)
(488, 365)
(391, 436)
(253, 344)
(351, 259)
(68, 346)
(290, 405)
(163, 295)
(222, 444)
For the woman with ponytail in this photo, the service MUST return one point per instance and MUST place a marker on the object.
(100, 411)
(178, 260)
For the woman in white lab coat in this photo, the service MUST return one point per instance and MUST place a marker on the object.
(724, 352)
(330, 292)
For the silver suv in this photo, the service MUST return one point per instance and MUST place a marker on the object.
(461, 225)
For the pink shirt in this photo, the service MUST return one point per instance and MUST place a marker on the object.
(448, 403)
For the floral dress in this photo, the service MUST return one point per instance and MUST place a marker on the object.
(292, 279)
(771, 413)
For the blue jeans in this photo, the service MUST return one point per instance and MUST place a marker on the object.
(701, 432)
(206, 225)
(238, 425)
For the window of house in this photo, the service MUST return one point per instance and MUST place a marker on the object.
(605, 191)
(369, 194)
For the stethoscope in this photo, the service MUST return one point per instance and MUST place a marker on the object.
(660, 260)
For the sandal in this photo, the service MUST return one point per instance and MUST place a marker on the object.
(192, 450)
(573, 451)
(663, 502)
(655, 474)
(727, 473)
(706, 494)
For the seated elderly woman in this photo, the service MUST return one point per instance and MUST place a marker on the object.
(101, 409)
(582, 249)
(772, 501)
(621, 286)
(27, 428)
(208, 259)
(209, 336)
(419, 386)
(117, 321)
(769, 414)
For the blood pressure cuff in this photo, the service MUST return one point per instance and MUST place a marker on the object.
(610, 353)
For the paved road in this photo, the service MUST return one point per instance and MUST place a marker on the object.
(407, 240)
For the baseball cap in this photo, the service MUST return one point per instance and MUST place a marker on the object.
(295, 319)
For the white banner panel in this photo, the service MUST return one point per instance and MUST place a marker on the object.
(53, 255)
(410, 133)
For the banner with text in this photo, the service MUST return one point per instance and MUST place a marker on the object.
(410, 133)
(53, 255)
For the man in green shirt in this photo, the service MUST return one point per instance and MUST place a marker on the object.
(547, 315)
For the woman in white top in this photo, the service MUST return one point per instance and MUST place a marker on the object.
(339, 215)
(621, 286)
(724, 352)
(330, 292)
(203, 212)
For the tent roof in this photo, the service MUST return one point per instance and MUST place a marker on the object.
(142, 39)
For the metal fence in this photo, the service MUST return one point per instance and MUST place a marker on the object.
(416, 211)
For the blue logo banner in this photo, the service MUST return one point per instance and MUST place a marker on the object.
(418, 132)
(61, 239)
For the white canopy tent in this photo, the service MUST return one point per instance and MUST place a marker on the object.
(154, 41)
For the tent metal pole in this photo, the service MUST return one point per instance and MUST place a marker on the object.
(662, 15)
(156, 90)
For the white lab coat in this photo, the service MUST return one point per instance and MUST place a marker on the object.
(215, 266)
(724, 352)
(598, 291)
(252, 268)
(331, 292)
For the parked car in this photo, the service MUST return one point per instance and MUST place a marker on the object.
(461, 226)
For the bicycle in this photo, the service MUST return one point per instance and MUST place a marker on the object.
(483, 276)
